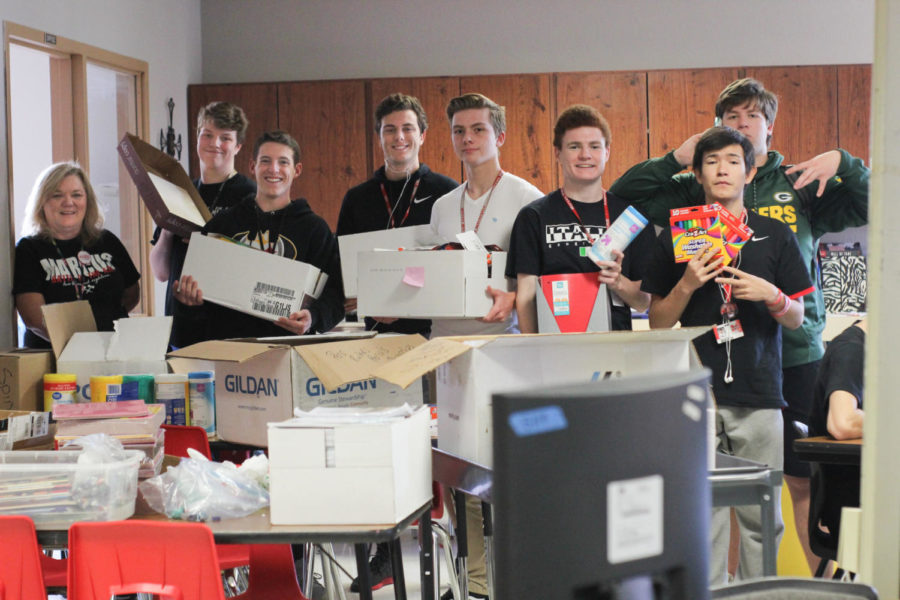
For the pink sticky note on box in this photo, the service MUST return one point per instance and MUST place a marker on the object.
(414, 276)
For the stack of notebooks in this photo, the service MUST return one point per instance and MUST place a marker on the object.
(132, 422)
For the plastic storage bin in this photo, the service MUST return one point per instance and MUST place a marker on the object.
(55, 490)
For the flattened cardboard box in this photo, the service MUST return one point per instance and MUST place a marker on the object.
(471, 369)
(251, 281)
(261, 382)
(429, 284)
(382, 239)
(167, 191)
(389, 462)
(22, 378)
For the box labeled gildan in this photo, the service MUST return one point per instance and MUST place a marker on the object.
(262, 381)
(429, 283)
(363, 473)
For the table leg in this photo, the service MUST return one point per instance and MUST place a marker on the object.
(426, 556)
(767, 520)
(488, 546)
(362, 571)
(397, 566)
(462, 543)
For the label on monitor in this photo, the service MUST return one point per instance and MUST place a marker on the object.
(634, 518)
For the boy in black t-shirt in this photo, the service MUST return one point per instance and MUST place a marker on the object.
(745, 303)
(221, 127)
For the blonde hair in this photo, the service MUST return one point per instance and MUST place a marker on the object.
(47, 183)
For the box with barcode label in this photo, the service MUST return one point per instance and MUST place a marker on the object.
(251, 281)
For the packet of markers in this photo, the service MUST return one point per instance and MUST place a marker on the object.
(696, 227)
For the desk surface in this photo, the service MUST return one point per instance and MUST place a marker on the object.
(825, 449)
(256, 529)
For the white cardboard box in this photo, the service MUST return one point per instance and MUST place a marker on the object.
(360, 474)
(470, 370)
(246, 279)
(382, 239)
(428, 284)
(137, 346)
(259, 382)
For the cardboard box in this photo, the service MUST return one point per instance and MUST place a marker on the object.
(254, 282)
(22, 378)
(470, 370)
(21, 425)
(137, 346)
(343, 474)
(572, 303)
(259, 382)
(167, 191)
(428, 284)
(382, 239)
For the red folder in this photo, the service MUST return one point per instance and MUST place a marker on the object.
(572, 298)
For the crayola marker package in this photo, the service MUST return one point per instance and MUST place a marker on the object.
(696, 227)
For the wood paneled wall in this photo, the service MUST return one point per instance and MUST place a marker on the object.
(650, 113)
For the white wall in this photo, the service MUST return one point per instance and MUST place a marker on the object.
(278, 40)
(165, 33)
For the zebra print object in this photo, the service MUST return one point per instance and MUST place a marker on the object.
(843, 269)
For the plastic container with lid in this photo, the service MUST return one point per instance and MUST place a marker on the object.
(172, 390)
(55, 490)
(202, 400)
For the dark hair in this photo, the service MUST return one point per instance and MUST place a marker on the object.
(397, 102)
(279, 137)
(224, 115)
(579, 115)
(716, 138)
(748, 91)
(473, 100)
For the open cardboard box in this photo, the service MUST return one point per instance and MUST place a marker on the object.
(471, 369)
(264, 285)
(382, 239)
(22, 378)
(262, 381)
(137, 346)
(429, 284)
(167, 191)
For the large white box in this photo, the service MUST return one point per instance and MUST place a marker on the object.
(262, 381)
(349, 474)
(429, 284)
(383, 239)
(137, 346)
(249, 280)
(470, 370)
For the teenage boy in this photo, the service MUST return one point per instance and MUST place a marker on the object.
(487, 203)
(272, 222)
(745, 304)
(221, 127)
(829, 192)
(551, 235)
(399, 194)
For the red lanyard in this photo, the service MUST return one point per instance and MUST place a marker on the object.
(462, 204)
(578, 217)
(387, 203)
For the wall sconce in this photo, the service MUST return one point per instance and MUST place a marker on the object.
(168, 142)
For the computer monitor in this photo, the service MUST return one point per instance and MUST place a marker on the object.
(600, 490)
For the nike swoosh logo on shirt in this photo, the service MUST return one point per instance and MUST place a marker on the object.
(417, 200)
(759, 239)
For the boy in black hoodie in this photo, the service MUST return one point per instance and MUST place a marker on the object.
(273, 222)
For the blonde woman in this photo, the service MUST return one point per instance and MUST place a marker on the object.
(69, 256)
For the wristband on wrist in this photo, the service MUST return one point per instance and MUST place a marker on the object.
(784, 310)
(778, 298)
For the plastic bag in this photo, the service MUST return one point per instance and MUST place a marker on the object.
(198, 489)
(93, 487)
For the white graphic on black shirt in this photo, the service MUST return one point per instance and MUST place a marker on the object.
(571, 233)
(85, 270)
(283, 246)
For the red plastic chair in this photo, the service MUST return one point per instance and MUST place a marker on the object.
(178, 439)
(173, 560)
(272, 574)
(20, 562)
